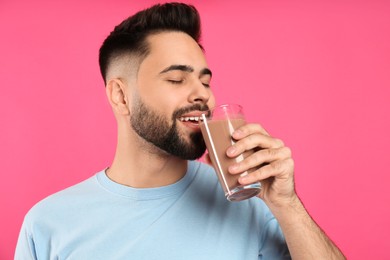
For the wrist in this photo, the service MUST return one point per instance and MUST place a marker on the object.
(286, 207)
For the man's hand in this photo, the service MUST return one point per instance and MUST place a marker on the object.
(272, 161)
(274, 168)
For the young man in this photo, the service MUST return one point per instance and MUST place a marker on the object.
(155, 201)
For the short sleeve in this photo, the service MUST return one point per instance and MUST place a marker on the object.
(25, 248)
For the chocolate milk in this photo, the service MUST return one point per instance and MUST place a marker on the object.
(221, 132)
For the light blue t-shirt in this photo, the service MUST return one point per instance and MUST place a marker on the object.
(190, 219)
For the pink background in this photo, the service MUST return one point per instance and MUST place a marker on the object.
(315, 73)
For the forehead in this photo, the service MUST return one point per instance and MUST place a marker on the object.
(167, 48)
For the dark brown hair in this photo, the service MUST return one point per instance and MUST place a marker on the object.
(129, 37)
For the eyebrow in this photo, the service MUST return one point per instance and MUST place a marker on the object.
(186, 68)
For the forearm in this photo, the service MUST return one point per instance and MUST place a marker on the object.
(275, 171)
(304, 237)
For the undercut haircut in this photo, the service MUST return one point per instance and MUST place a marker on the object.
(129, 38)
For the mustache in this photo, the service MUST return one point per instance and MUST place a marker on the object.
(195, 107)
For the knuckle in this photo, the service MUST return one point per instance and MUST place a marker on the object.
(253, 159)
(249, 142)
(290, 162)
(287, 166)
(251, 139)
(258, 128)
(258, 173)
(287, 152)
(279, 142)
(271, 153)
(276, 166)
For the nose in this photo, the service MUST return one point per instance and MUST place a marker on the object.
(199, 93)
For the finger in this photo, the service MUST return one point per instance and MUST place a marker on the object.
(278, 169)
(248, 129)
(260, 158)
(253, 141)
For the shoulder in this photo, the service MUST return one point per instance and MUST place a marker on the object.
(62, 200)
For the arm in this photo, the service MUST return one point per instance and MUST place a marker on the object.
(25, 248)
(275, 170)
(304, 237)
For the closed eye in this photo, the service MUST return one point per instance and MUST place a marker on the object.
(175, 81)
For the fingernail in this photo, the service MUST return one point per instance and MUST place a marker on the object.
(243, 177)
(243, 174)
(233, 168)
(232, 150)
(237, 133)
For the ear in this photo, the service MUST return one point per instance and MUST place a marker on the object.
(116, 95)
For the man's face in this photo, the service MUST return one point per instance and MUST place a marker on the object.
(172, 91)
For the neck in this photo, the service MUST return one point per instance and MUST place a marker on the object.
(140, 164)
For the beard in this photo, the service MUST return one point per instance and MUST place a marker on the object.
(157, 130)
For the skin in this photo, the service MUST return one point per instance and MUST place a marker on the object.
(175, 89)
(163, 93)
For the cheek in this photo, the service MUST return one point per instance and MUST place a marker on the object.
(152, 94)
(162, 102)
(211, 101)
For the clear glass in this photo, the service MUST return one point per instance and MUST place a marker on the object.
(217, 128)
